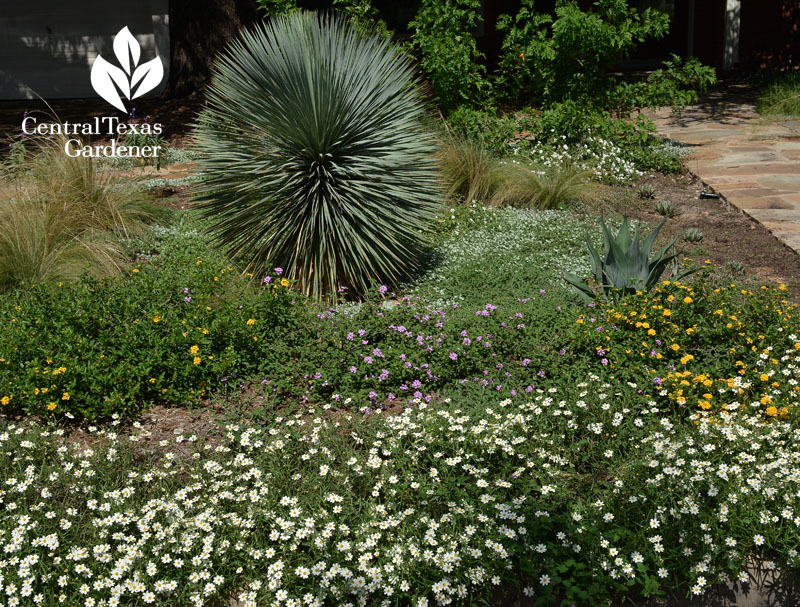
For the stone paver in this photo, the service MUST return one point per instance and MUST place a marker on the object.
(754, 164)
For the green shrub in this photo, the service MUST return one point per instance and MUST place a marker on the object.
(570, 58)
(314, 155)
(494, 131)
(277, 7)
(64, 219)
(167, 331)
(449, 55)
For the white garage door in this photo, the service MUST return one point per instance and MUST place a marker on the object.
(47, 46)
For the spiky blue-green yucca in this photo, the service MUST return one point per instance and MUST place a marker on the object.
(314, 155)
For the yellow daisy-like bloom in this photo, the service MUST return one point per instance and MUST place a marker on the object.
(65, 396)
(764, 377)
(651, 332)
(194, 350)
(251, 322)
(667, 312)
(766, 400)
(156, 318)
(772, 410)
(284, 282)
(704, 404)
(675, 347)
(197, 360)
(687, 300)
(5, 400)
(51, 406)
(686, 359)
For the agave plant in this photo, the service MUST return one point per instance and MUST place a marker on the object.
(626, 266)
(315, 157)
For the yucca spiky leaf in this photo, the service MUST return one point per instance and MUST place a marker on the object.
(314, 155)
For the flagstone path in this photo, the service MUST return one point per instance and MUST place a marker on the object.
(754, 164)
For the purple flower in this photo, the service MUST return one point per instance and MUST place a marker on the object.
(601, 352)
(278, 271)
(372, 395)
(187, 299)
(542, 291)
(353, 369)
(540, 374)
(562, 351)
(368, 360)
(186, 289)
(657, 381)
(382, 289)
(453, 356)
(267, 279)
(526, 362)
(604, 361)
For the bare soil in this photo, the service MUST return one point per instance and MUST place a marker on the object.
(730, 235)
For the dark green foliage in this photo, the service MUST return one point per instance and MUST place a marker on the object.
(484, 125)
(449, 56)
(564, 65)
(315, 157)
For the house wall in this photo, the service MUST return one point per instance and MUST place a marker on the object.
(47, 46)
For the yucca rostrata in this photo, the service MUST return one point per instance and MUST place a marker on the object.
(315, 157)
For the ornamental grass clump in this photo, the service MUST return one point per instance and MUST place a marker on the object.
(315, 156)
(63, 218)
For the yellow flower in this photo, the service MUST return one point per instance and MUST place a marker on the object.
(65, 396)
(194, 350)
(197, 360)
(580, 322)
(766, 400)
(675, 347)
(152, 380)
(51, 406)
(686, 359)
(5, 400)
(651, 332)
(687, 300)
(667, 313)
(251, 321)
(156, 318)
(284, 282)
(772, 410)
(764, 377)
(704, 404)
(135, 270)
